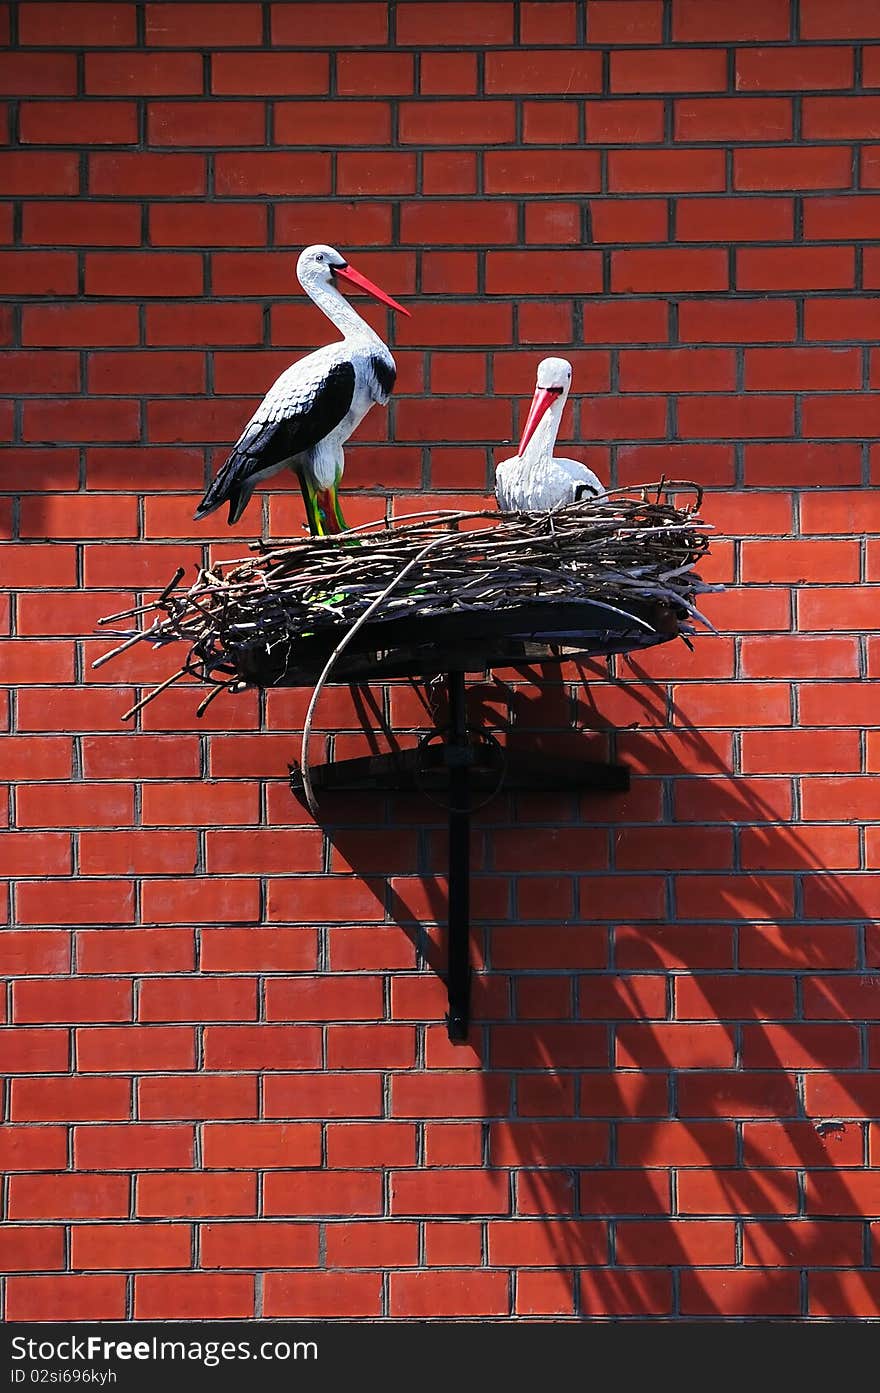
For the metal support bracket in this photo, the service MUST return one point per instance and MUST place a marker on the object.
(458, 767)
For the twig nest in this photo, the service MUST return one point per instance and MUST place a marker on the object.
(625, 550)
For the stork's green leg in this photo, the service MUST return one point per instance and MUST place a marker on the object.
(337, 507)
(314, 515)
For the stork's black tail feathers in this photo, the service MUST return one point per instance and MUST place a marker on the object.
(227, 487)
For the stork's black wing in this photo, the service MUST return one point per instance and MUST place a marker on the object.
(306, 403)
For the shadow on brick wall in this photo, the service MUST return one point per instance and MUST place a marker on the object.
(666, 1062)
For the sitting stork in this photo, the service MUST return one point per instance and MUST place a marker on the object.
(308, 414)
(535, 479)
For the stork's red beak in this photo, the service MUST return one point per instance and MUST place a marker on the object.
(348, 273)
(542, 400)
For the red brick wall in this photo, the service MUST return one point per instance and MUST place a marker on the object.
(232, 1091)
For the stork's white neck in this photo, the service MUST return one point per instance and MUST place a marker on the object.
(338, 310)
(540, 447)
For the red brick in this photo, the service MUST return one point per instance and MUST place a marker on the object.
(79, 325)
(800, 560)
(304, 23)
(746, 1192)
(804, 656)
(624, 21)
(735, 417)
(130, 1245)
(194, 1296)
(557, 171)
(83, 122)
(323, 1095)
(553, 272)
(694, 22)
(450, 123)
(802, 369)
(736, 321)
(77, 24)
(68, 1197)
(33, 1148)
(198, 999)
(548, 122)
(432, 1294)
(384, 172)
(850, 19)
(841, 512)
(198, 902)
(801, 1047)
(88, 224)
(31, 951)
(246, 173)
(211, 802)
(35, 1248)
(323, 998)
(547, 21)
(857, 1195)
(142, 273)
(38, 172)
(261, 1244)
(209, 324)
(322, 1294)
(548, 71)
(638, 171)
(140, 950)
(133, 1146)
(37, 273)
(370, 1144)
(179, 1097)
(139, 173)
(803, 1242)
(374, 74)
(267, 74)
(841, 118)
(143, 74)
(669, 268)
(740, 219)
(38, 74)
(135, 1049)
(421, 23)
(678, 70)
(733, 118)
(172, 25)
(769, 946)
(669, 370)
(619, 122)
(323, 1192)
(559, 1143)
(196, 1195)
(67, 1298)
(262, 1047)
(739, 1293)
(801, 68)
(193, 224)
(844, 1294)
(813, 167)
(73, 1000)
(446, 74)
(26, 1050)
(850, 415)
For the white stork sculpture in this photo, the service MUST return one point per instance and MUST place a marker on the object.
(535, 480)
(308, 414)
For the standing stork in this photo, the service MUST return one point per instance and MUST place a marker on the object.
(535, 479)
(308, 414)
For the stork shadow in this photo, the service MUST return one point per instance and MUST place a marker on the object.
(656, 1080)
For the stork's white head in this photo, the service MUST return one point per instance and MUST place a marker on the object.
(551, 391)
(320, 265)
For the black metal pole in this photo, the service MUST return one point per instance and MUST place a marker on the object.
(458, 758)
